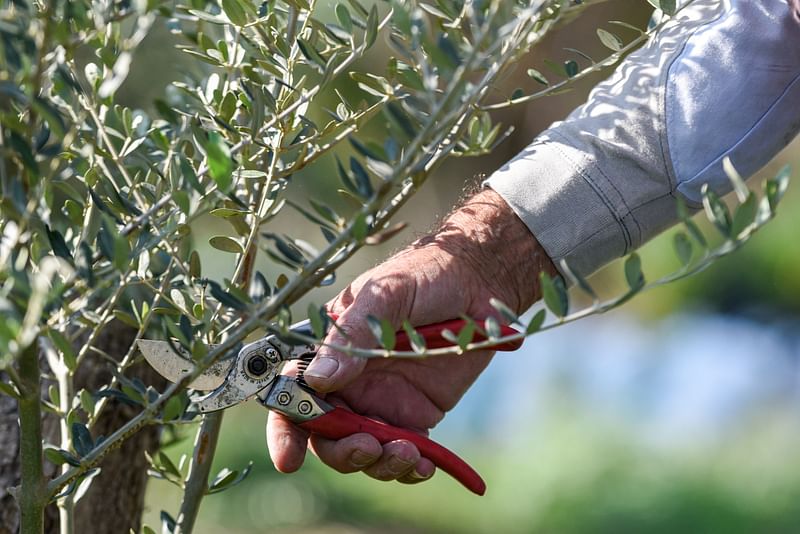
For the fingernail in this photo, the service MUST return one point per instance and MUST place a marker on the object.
(361, 459)
(397, 464)
(322, 368)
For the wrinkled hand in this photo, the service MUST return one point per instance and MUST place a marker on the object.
(481, 251)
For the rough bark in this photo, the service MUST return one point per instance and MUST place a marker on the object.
(115, 499)
(10, 467)
(9, 464)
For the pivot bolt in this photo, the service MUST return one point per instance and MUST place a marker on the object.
(257, 365)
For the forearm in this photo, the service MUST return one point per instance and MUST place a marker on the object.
(492, 240)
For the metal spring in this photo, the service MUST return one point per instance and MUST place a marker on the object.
(302, 365)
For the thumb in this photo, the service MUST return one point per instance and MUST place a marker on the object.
(331, 370)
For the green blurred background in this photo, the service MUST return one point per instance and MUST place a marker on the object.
(678, 412)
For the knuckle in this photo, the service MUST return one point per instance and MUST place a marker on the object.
(391, 468)
(341, 466)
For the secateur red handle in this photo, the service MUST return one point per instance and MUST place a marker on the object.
(340, 423)
(432, 334)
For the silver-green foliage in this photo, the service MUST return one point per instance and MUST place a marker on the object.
(98, 200)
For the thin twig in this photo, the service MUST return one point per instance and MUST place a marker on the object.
(196, 486)
(30, 495)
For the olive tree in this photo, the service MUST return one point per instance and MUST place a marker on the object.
(100, 201)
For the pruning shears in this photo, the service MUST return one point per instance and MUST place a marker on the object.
(254, 372)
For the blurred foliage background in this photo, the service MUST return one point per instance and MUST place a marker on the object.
(678, 412)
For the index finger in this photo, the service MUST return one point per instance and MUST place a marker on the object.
(286, 442)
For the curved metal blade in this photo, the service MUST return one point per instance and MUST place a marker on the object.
(244, 381)
(173, 366)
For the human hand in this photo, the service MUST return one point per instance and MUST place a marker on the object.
(481, 251)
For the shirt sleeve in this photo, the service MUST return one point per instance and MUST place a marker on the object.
(721, 79)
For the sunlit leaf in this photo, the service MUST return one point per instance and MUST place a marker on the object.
(344, 18)
(744, 215)
(736, 179)
(398, 117)
(571, 68)
(58, 244)
(535, 323)
(577, 279)
(87, 401)
(716, 211)
(172, 409)
(610, 40)
(195, 269)
(415, 338)
(326, 212)
(774, 189)
(10, 390)
(435, 11)
(226, 244)
(554, 293)
(319, 320)
(371, 32)
(228, 212)
(60, 456)
(85, 483)
(633, 272)
(234, 9)
(126, 318)
(383, 331)
(228, 478)
(168, 523)
(167, 465)
(311, 53)
(360, 227)
(466, 334)
(492, 327)
(669, 7)
(504, 310)
(219, 161)
(683, 248)
(538, 76)
(82, 440)
(65, 348)
(363, 184)
(289, 250)
(224, 297)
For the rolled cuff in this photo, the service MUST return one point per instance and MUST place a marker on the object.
(563, 205)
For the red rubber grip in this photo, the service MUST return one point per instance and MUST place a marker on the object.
(432, 334)
(340, 423)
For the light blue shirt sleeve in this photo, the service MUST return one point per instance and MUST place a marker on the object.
(721, 79)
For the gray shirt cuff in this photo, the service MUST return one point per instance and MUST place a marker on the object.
(721, 79)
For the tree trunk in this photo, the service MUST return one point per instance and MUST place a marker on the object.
(9, 464)
(115, 499)
(10, 467)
